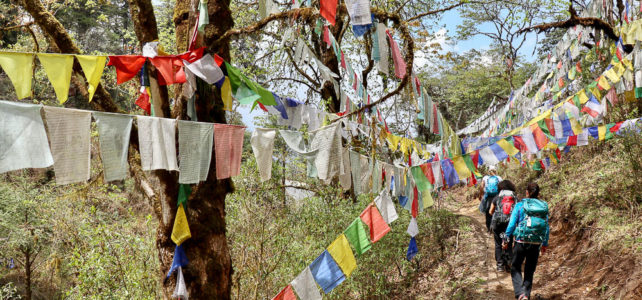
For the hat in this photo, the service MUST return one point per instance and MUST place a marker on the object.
(492, 168)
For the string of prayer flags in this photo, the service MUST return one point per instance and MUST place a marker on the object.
(19, 68)
(24, 140)
(113, 132)
(58, 69)
(195, 142)
(342, 255)
(228, 140)
(180, 231)
(286, 293)
(326, 272)
(357, 236)
(180, 291)
(127, 66)
(93, 67)
(386, 207)
(262, 142)
(412, 249)
(400, 64)
(373, 219)
(69, 132)
(413, 229)
(179, 260)
(305, 286)
(157, 143)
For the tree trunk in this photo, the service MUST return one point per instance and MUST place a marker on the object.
(27, 274)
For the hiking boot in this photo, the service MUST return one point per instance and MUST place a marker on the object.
(507, 268)
(522, 297)
(500, 268)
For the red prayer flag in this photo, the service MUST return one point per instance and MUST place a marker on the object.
(228, 145)
(343, 60)
(540, 137)
(263, 108)
(550, 125)
(400, 64)
(427, 169)
(326, 36)
(170, 68)
(519, 143)
(219, 60)
(378, 226)
(285, 294)
(194, 55)
(143, 101)
(578, 67)
(329, 10)
(127, 66)
(616, 127)
(435, 123)
(572, 140)
(415, 202)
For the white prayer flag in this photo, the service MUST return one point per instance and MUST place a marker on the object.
(113, 132)
(157, 143)
(195, 146)
(262, 141)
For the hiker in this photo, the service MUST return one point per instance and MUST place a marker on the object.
(529, 227)
(489, 186)
(501, 209)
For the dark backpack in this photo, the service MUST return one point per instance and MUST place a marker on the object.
(535, 224)
(503, 211)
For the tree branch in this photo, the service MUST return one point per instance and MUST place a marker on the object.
(432, 12)
(573, 21)
(299, 81)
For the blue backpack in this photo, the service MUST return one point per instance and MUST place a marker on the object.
(491, 188)
(535, 224)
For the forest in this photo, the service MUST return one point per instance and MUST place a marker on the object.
(305, 149)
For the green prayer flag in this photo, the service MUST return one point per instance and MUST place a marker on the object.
(638, 92)
(235, 77)
(471, 165)
(609, 135)
(420, 179)
(358, 237)
(245, 95)
(184, 190)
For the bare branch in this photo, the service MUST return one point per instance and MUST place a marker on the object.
(573, 21)
(432, 12)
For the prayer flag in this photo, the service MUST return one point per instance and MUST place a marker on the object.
(593, 107)
(342, 254)
(24, 140)
(413, 229)
(170, 69)
(436, 172)
(179, 260)
(603, 84)
(539, 136)
(205, 68)
(488, 156)
(93, 67)
(69, 132)
(420, 179)
(180, 232)
(180, 291)
(358, 237)
(412, 249)
(329, 10)
(400, 64)
(114, 131)
(262, 141)
(449, 172)
(19, 68)
(305, 287)
(195, 142)
(127, 66)
(226, 94)
(326, 272)
(228, 145)
(329, 158)
(427, 169)
(460, 167)
(378, 226)
(184, 191)
(285, 294)
(157, 143)
(386, 207)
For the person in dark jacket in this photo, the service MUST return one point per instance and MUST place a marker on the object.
(525, 250)
(499, 224)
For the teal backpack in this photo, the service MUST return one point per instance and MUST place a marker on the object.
(535, 224)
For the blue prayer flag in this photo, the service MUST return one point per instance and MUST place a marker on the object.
(326, 272)
(412, 249)
(450, 175)
(180, 260)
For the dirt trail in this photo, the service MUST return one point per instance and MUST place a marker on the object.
(497, 285)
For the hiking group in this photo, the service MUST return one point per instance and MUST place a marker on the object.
(520, 228)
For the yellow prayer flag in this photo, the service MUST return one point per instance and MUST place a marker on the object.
(582, 96)
(508, 147)
(180, 232)
(552, 158)
(58, 69)
(601, 132)
(576, 126)
(393, 141)
(602, 82)
(18, 67)
(627, 63)
(226, 94)
(461, 168)
(612, 75)
(619, 69)
(93, 67)
(404, 145)
(342, 254)
(551, 146)
(426, 198)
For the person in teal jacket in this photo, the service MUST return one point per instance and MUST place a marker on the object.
(524, 250)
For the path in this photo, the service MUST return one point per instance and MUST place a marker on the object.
(498, 285)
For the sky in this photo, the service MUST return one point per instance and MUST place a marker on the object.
(447, 25)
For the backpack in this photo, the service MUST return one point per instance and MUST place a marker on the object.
(491, 188)
(535, 224)
(503, 210)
